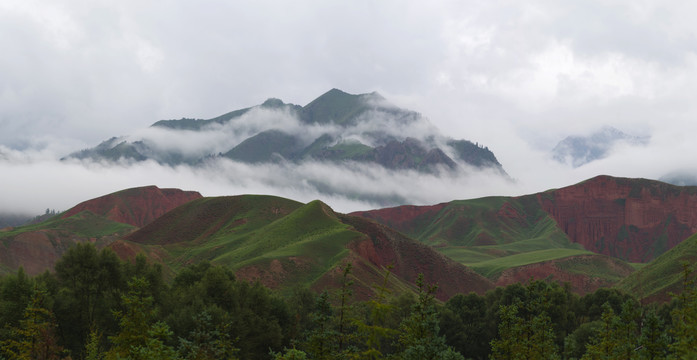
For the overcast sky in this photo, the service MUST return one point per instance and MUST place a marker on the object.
(516, 76)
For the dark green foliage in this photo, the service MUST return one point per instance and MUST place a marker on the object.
(474, 154)
(90, 285)
(523, 338)
(206, 313)
(15, 294)
(684, 317)
(653, 343)
(248, 315)
(320, 341)
(467, 326)
(207, 341)
(617, 336)
(35, 336)
(141, 336)
(419, 333)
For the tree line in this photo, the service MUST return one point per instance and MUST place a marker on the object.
(94, 306)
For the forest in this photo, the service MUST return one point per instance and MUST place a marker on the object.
(95, 306)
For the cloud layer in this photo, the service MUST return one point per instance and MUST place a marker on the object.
(515, 76)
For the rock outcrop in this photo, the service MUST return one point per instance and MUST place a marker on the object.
(631, 219)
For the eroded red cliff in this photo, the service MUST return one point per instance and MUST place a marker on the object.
(631, 219)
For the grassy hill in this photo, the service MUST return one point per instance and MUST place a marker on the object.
(664, 275)
(494, 235)
(37, 247)
(284, 244)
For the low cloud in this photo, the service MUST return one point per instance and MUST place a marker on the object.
(39, 184)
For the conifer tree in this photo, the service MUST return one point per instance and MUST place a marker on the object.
(320, 343)
(373, 333)
(685, 320)
(207, 341)
(521, 339)
(419, 336)
(35, 337)
(140, 337)
(653, 343)
(92, 351)
(604, 345)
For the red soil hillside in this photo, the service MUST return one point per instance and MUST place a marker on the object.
(632, 219)
(136, 206)
(578, 271)
(382, 246)
(376, 248)
(405, 218)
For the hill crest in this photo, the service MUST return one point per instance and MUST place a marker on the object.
(136, 206)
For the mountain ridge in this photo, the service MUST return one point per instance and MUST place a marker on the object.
(362, 128)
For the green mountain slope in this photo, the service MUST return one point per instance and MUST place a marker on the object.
(494, 235)
(264, 146)
(664, 275)
(284, 243)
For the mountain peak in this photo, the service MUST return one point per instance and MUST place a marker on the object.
(272, 103)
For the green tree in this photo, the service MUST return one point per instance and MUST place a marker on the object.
(373, 334)
(320, 343)
(250, 314)
(466, 325)
(141, 337)
(34, 338)
(344, 312)
(90, 284)
(523, 339)
(604, 344)
(419, 333)
(92, 348)
(207, 341)
(289, 354)
(684, 317)
(16, 291)
(626, 331)
(654, 340)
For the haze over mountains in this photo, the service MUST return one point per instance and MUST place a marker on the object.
(580, 150)
(353, 151)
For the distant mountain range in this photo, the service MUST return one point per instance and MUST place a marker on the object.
(336, 127)
(592, 234)
(581, 150)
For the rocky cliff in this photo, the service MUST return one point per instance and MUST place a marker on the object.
(631, 219)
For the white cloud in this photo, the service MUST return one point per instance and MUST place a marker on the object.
(514, 76)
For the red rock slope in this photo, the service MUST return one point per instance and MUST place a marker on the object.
(631, 219)
(136, 206)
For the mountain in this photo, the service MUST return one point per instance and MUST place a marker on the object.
(280, 242)
(581, 150)
(336, 127)
(604, 221)
(283, 244)
(584, 234)
(37, 247)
